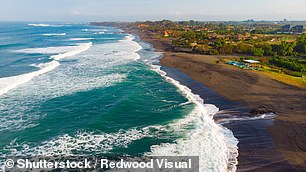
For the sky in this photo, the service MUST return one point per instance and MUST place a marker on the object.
(141, 10)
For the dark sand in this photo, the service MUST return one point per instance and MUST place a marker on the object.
(264, 145)
(257, 151)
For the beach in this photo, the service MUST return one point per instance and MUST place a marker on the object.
(276, 144)
(115, 94)
(97, 90)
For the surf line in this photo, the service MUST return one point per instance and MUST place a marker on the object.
(9, 83)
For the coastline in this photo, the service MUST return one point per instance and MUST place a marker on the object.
(256, 148)
(226, 87)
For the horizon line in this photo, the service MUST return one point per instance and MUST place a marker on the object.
(123, 21)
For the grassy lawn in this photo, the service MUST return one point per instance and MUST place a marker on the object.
(276, 74)
(287, 79)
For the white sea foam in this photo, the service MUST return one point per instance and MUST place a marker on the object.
(98, 30)
(82, 142)
(135, 47)
(215, 145)
(79, 49)
(54, 50)
(39, 25)
(54, 34)
(99, 33)
(108, 38)
(9, 83)
(226, 118)
(46, 25)
(122, 51)
(80, 39)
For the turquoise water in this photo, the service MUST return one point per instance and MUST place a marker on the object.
(140, 99)
(75, 89)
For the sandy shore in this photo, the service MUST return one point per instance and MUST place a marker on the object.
(251, 89)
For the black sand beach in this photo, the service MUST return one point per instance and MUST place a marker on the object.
(257, 151)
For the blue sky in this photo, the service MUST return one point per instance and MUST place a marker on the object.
(131, 10)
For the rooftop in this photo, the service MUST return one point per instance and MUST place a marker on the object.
(251, 61)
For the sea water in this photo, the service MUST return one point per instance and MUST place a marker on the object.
(75, 89)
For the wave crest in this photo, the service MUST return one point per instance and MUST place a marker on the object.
(10, 83)
(215, 145)
(39, 25)
(54, 34)
(44, 25)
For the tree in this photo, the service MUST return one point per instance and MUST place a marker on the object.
(284, 49)
(301, 45)
(292, 64)
(267, 49)
(213, 52)
(258, 52)
(222, 47)
(242, 48)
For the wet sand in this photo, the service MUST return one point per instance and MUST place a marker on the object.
(257, 151)
(264, 145)
(254, 90)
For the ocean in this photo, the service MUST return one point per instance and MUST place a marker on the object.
(75, 89)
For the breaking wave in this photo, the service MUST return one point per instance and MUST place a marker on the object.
(215, 145)
(44, 25)
(10, 83)
(54, 34)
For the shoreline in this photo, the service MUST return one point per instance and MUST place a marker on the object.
(256, 150)
(260, 142)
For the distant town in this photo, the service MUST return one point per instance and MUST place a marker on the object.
(288, 29)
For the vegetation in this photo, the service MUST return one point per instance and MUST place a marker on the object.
(301, 45)
(293, 66)
(285, 52)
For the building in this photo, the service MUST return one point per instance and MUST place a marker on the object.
(166, 33)
(242, 36)
(286, 29)
(142, 25)
(297, 29)
(252, 63)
